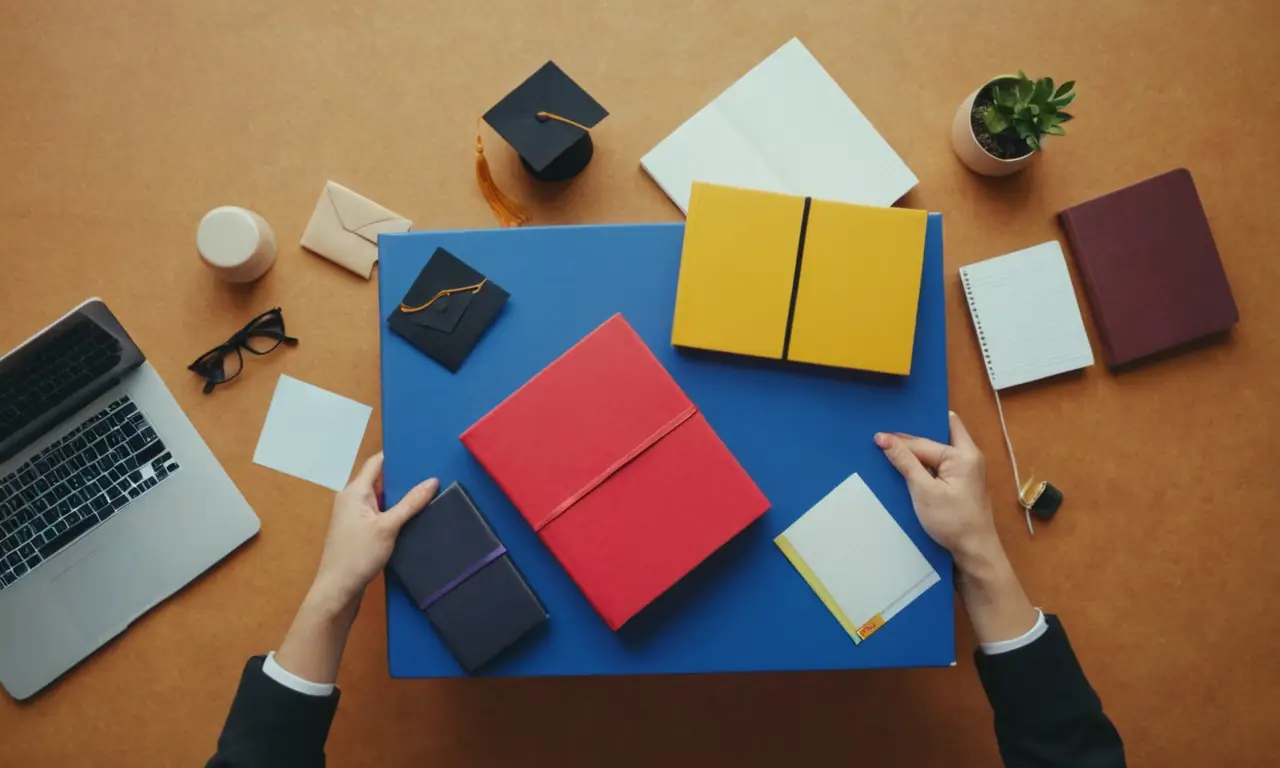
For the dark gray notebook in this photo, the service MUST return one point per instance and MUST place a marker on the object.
(461, 576)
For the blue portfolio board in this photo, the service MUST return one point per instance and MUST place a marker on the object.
(798, 430)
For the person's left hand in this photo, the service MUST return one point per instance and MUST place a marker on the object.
(361, 537)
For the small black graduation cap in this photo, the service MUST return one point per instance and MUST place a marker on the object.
(547, 119)
(1041, 498)
(447, 309)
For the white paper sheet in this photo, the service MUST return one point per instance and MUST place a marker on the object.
(786, 126)
(312, 433)
(1026, 315)
(863, 558)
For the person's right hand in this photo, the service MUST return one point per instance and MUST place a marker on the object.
(361, 537)
(948, 485)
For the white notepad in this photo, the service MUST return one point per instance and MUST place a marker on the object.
(786, 126)
(312, 433)
(857, 558)
(1026, 315)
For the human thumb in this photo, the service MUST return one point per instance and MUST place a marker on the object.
(901, 457)
(413, 502)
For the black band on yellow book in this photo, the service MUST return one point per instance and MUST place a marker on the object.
(795, 279)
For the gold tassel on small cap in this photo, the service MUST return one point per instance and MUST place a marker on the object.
(1040, 497)
(405, 308)
(544, 116)
(508, 211)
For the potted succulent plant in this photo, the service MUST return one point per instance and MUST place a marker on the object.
(1001, 127)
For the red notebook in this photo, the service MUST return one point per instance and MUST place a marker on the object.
(1150, 267)
(616, 469)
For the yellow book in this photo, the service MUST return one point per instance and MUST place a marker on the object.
(792, 278)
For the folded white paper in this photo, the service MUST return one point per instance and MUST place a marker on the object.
(1026, 315)
(312, 433)
(786, 126)
(857, 558)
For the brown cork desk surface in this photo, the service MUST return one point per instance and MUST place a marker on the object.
(123, 122)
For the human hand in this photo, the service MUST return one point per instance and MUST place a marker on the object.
(361, 538)
(948, 485)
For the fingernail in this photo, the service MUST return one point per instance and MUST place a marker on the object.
(882, 440)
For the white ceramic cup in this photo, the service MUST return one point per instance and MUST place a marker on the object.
(236, 243)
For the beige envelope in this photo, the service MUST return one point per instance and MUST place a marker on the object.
(344, 228)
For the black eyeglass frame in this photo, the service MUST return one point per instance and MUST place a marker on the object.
(210, 364)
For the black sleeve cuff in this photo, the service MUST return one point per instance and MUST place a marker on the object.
(271, 724)
(1040, 686)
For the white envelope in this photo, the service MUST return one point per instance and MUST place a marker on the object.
(344, 228)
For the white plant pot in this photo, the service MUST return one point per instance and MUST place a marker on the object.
(971, 153)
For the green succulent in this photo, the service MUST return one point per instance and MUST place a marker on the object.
(1028, 109)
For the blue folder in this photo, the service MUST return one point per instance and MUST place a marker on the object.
(798, 430)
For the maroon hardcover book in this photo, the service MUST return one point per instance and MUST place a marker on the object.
(1150, 267)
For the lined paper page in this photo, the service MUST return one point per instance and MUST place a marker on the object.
(1026, 315)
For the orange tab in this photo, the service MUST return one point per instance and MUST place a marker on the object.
(871, 626)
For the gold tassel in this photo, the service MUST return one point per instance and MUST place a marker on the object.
(508, 211)
(565, 120)
(441, 294)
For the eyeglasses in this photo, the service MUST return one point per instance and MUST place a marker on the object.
(224, 362)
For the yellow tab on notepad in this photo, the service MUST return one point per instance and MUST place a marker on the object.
(871, 626)
(792, 278)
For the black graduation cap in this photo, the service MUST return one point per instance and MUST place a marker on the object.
(447, 309)
(547, 119)
(460, 575)
(1041, 498)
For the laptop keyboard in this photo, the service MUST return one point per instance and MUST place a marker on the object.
(82, 353)
(75, 484)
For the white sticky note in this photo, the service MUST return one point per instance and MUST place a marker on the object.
(312, 433)
(1026, 315)
(865, 566)
(785, 126)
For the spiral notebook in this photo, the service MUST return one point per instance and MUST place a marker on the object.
(1026, 315)
(1029, 327)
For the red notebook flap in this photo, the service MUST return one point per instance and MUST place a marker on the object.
(656, 519)
(582, 414)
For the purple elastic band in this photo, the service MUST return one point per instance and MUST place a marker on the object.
(472, 571)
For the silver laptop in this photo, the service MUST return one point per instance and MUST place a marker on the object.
(109, 499)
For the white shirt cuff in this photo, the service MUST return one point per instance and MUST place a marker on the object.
(289, 680)
(1031, 635)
